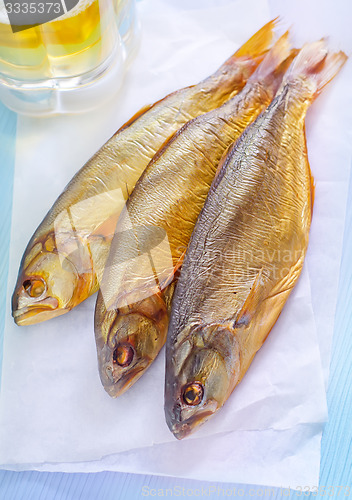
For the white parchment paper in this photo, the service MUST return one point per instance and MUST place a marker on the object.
(53, 409)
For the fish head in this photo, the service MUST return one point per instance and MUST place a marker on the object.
(200, 376)
(48, 284)
(128, 340)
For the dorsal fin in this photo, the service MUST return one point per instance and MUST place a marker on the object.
(139, 113)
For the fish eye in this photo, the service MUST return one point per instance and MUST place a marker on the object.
(193, 394)
(123, 354)
(34, 287)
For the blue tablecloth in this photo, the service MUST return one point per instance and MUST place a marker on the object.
(336, 457)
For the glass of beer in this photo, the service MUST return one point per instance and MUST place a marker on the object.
(63, 55)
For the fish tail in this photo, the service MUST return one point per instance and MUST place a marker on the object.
(274, 65)
(316, 64)
(252, 52)
(259, 43)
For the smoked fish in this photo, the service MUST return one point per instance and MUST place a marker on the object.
(153, 231)
(62, 263)
(247, 250)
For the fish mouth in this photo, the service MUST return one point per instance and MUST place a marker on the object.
(184, 428)
(118, 386)
(39, 312)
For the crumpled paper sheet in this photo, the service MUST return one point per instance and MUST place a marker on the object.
(53, 409)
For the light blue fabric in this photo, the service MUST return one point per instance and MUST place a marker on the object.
(336, 461)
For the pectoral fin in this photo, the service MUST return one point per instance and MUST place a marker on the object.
(250, 305)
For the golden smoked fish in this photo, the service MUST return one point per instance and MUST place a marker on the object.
(62, 263)
(153, 231)
(246, 252)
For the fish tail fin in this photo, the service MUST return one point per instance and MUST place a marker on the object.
(260, 42)
(275, 64)
(252, 52)
(315, 63)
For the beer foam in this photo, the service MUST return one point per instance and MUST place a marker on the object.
(80, 7)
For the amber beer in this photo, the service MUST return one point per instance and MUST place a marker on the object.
(73, 44)
(72, 62)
